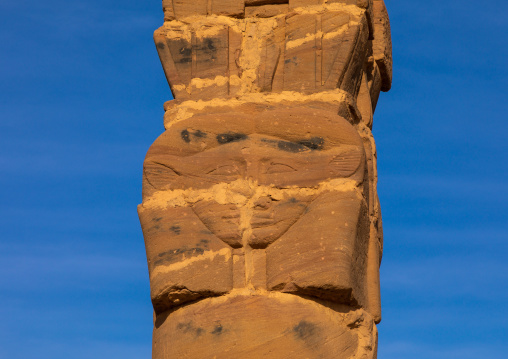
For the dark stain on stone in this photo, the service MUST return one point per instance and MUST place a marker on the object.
(185, 136)
(224, 138)
(210, 45)
(160, 45)
(198, 251)
(158, 219)
(304, 330)
(267, 140)
(293, 200)
(184, 327)
(199, 134)
(203, 244)
(291, 147)
(189, 328)
(217, 330)
(315, 143)
(291, 60)
(186, 51)
(175, 229)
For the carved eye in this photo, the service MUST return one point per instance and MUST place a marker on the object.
(279, 168)
(226, 170)
(158, 174)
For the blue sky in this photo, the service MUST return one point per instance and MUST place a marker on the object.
(81, 101)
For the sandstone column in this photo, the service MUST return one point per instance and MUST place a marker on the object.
(260, 211)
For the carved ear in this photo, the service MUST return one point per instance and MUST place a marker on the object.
(382, 43)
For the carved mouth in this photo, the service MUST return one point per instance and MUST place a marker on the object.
(266, 223)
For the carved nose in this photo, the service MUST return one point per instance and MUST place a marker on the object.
(263, 203)
(252, 171)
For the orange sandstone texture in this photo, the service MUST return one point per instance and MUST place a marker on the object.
(260, 211)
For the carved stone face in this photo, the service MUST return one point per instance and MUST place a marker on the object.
(258, 181)
(259, 174)
(262, 173)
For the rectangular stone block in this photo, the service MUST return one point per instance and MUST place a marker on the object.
(351, 79)
(195, 66)
(300, 54)
(323, 52)
(210, 63)
(177, 76)
(235, 8)
(167, 8)
(271, 69)
(324, 254)
(266, 10)
(182, 256)
(185, 8)
(336, 47)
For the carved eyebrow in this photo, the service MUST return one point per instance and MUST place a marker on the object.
(230, 137)
(291, 146)
(314, 143)
(186, 135)
(199, 134)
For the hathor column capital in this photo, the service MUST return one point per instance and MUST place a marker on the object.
(260, 211)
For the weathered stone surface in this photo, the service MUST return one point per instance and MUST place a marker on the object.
(260, 211)
(266, 10)
(178, 9)
(264, 326)
(273, 48)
